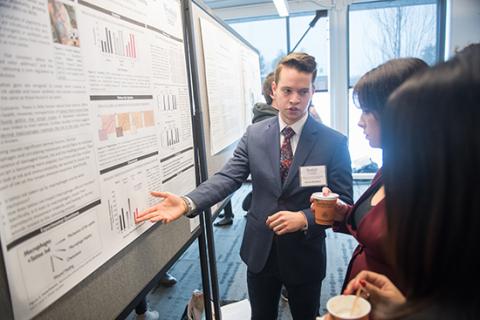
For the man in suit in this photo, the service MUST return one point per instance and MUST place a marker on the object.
(281, 242)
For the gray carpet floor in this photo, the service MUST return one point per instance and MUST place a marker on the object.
(170, 302)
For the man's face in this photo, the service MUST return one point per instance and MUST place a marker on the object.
(292, 94)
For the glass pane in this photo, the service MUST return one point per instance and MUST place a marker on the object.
(360, 150)
(321, 102)
(268, 36)
(378, 32)
(316, 43)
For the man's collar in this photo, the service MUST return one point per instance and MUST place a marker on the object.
(297, 126)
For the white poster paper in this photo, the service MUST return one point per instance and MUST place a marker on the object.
(233, 84)
(94, 113)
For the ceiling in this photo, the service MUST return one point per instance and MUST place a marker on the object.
(234, 9)
(222, 4)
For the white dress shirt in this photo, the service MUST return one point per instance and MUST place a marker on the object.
(297, 127)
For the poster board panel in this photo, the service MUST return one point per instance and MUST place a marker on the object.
(229, 82)
(95, 112)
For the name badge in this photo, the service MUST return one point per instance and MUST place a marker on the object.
(313, 176)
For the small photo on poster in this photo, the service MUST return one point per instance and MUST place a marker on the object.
(64, 23)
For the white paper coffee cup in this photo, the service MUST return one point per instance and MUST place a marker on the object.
(324, 207)
(342, 308)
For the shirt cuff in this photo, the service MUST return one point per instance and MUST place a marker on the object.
(305, 227)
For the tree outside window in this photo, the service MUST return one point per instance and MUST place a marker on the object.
(380, 31)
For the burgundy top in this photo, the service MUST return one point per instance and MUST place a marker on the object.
(371, 236)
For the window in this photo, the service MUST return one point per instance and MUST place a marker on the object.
(316, 42)
(379, 31)
(269, 36)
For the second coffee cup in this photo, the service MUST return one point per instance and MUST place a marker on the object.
(348, 307)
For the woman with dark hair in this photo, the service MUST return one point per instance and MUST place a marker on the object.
(365, 220)
(431, 168)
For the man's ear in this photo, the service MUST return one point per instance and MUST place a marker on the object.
(274, 87)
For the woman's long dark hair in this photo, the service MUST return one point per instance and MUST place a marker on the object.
(431, 141)
(372, 90)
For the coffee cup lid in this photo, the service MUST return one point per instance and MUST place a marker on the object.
(320, 196)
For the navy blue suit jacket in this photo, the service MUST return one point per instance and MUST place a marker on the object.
(301, 254)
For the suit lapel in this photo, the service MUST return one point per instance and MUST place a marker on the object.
(305, 145)
(272, 145)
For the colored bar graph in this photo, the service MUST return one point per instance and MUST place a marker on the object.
(132, 39)
(117, 43)
(126, 217)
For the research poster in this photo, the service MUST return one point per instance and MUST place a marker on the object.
(252, 86)
(232, 72)
(94, 113)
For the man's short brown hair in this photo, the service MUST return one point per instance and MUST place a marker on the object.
(299, 61)
(267, 88)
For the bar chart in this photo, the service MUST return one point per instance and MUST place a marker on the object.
(115, 42)
(124, 219)
(126, 200)
(171, 136)
(167, 102)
